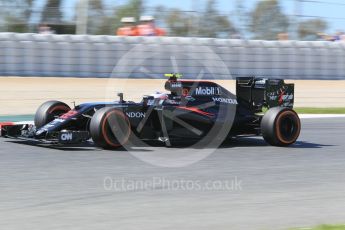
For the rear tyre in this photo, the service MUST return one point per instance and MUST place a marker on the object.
(48, 111)
(280, 126)
(110, 128)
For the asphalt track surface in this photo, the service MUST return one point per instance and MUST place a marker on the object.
(277, 188)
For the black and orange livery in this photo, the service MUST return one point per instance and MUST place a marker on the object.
(188, 111)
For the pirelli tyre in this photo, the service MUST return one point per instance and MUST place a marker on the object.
(48, 111)
(280, 126)
(110, 128)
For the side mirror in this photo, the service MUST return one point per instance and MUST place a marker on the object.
(120, 95)
(145, 100)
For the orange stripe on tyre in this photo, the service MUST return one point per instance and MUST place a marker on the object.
(106, 138)
(277, 128)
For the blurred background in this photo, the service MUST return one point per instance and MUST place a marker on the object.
(206, 39)
(308, 20)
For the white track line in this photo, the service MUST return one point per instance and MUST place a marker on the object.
(24, 122)
(313, 116)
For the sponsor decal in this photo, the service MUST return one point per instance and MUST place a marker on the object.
(66, 136)
(176, 85)
(135, 114)
(207, 90)
(225, 100)
(286, 97)
(281, 97)
(173, 102)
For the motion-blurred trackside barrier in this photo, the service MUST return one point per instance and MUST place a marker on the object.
(150, 57)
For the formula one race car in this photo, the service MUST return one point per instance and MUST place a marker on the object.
(191, 110)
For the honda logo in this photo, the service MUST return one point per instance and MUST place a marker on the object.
(135, 114)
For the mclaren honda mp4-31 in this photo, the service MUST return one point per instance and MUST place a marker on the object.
(188, 110)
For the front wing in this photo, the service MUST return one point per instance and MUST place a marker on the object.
(27, 132)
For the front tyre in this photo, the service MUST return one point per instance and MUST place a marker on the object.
(280, 126)
(48, 111)
(110, 128)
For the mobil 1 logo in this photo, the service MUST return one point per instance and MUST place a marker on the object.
(207, 91)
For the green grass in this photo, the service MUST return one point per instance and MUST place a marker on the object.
(311, 110)
(324, 227)
(307, 110)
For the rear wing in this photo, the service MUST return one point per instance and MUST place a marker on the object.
(257, 93)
